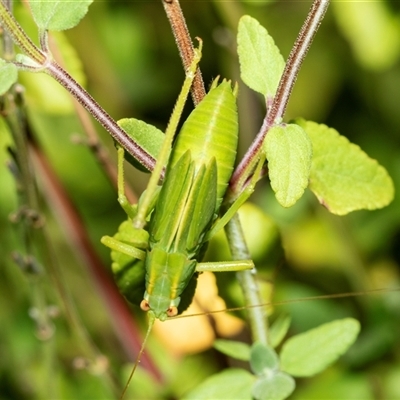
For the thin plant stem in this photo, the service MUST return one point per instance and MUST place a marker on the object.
(45, 64)
(377, 292)
(77, 236)
(185, 46)
(80, 94)
(295, 60)
(37, 248)
(247, 279)
(277, 111)
(257, 316)
(93, 141)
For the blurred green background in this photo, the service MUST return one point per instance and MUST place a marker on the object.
(125, 54)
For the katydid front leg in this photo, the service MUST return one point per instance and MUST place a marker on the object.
(129, 240)
(225, 266)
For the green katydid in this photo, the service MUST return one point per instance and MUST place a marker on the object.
(183, 212)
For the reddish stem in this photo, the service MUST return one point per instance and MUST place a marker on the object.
(277, 111)
(63, 208)
(119, 135)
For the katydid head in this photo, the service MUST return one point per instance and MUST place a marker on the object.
(171, 274)
(171, 311)
(161, 307)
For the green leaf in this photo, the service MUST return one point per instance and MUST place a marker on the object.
(147, 136)
(311, 352)
(261, 63)
(277, 386)
(58, 15)
(231, 348)
(289, 154)
(8, 75)
(263, 358)
(233, 383)
(279, 329)
(342, 176)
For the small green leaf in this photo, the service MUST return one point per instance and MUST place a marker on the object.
(277, 386)
(261, 63)
(342, 176)
(279, 329)
(289, 154)
(233, 383)
(58, 15)
(231, 348)
(8, 75)
(147, 136)
(311, 352)
(263, 358)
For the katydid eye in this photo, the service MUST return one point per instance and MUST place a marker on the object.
(172, 311)
(144, 305)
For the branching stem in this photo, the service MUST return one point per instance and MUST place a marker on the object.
(247, 279)
(277, 111)
(43, 59)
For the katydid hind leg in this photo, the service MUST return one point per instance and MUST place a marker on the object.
(122, 247)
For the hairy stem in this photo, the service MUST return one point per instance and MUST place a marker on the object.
(19, 36)
(45, 63)
(277, 111)
(92, 138)
(257, 317)
(185, 46)
(119, 135)
(295, 60)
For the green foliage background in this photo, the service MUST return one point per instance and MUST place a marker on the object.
(127, 55)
